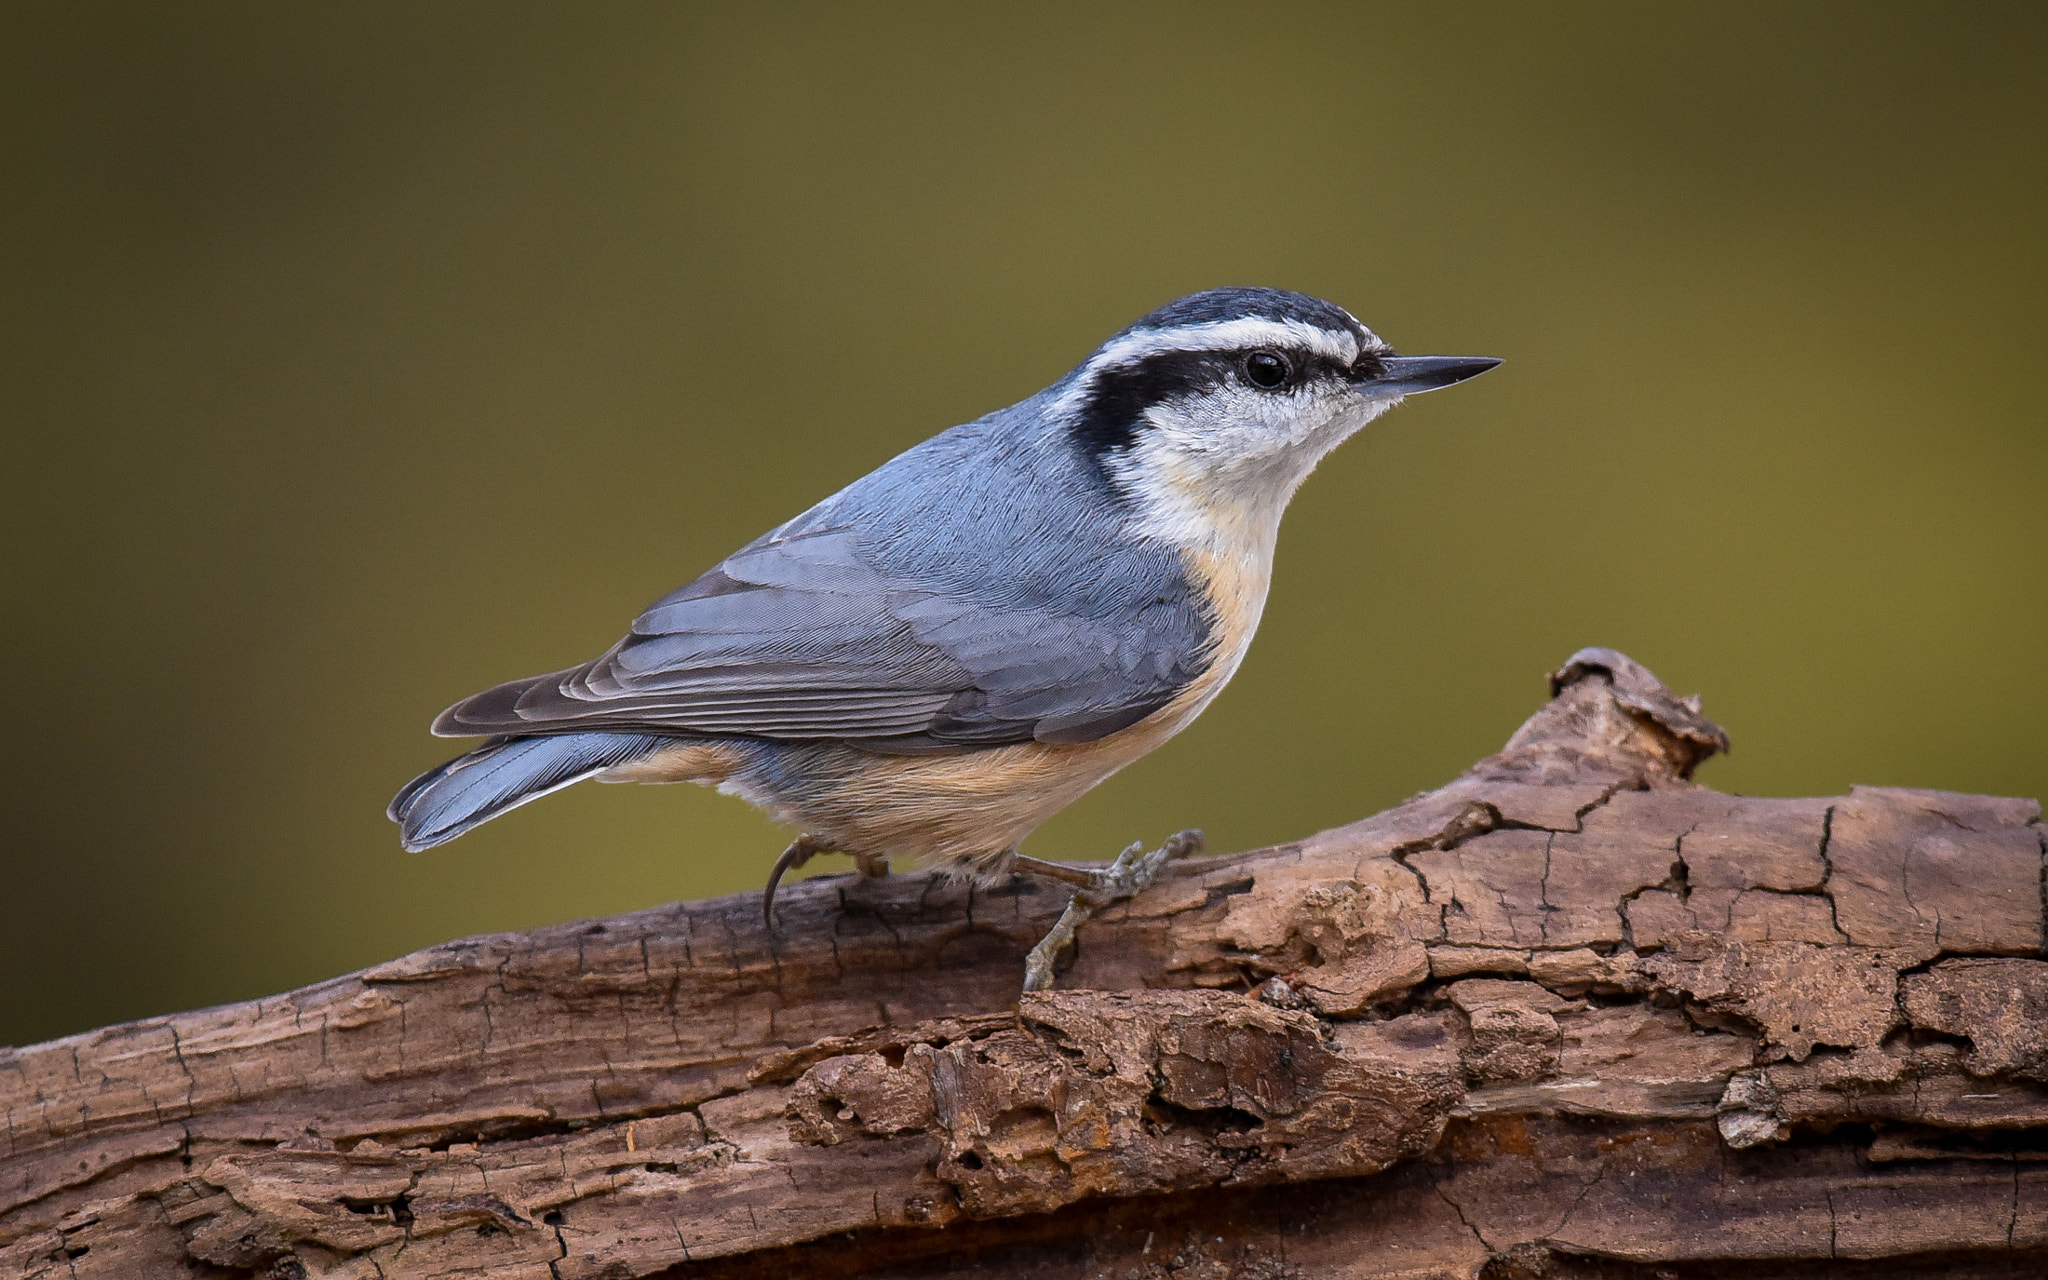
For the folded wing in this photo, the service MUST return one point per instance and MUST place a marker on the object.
(829, 630)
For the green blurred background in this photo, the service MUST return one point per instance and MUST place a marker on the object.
(359, 357)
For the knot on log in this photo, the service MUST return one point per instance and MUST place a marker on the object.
(1568, 1009)
(1607, 716)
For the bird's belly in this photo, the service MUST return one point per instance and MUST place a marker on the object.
(971, 807)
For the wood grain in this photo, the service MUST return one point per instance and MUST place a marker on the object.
(1568, 1015)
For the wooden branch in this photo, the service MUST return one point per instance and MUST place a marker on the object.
(1568, 1015)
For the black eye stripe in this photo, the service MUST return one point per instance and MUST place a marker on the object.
(1119, 396)
(1112, 409)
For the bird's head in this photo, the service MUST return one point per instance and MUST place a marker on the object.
(1229, 398)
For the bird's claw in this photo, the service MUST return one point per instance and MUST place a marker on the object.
(802, 850)
(1131, 874)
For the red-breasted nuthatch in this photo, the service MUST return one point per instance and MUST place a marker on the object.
(934, 660)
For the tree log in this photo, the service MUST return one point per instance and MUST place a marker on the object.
(1568, 1015)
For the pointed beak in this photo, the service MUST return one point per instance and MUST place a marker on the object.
(1413, 375)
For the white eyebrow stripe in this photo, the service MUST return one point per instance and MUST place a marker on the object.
(1226, 335)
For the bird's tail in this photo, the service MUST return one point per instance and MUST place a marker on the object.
(442, 803)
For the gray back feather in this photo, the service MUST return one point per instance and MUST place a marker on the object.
(980, 588)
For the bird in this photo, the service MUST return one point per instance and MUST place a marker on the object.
(936, 659)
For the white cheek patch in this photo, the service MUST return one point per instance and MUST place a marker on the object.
(1237, 462)
(1239, 423)
(1228, 420)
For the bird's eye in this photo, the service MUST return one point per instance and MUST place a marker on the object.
(1268, 369)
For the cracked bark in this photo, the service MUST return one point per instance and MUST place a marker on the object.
(1568, 1015)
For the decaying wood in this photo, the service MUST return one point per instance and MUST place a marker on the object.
(1569, 1015)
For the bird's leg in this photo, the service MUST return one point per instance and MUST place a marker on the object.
(872, 865)
(1131, 874)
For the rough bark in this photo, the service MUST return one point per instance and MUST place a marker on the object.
(1569, 1015)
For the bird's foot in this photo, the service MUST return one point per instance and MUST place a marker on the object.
(802, 850)
(1131, 874)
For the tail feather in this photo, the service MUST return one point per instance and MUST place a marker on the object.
(442, 803)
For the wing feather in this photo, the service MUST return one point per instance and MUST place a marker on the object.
(853, 622)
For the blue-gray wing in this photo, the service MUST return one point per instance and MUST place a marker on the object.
(858, 622)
